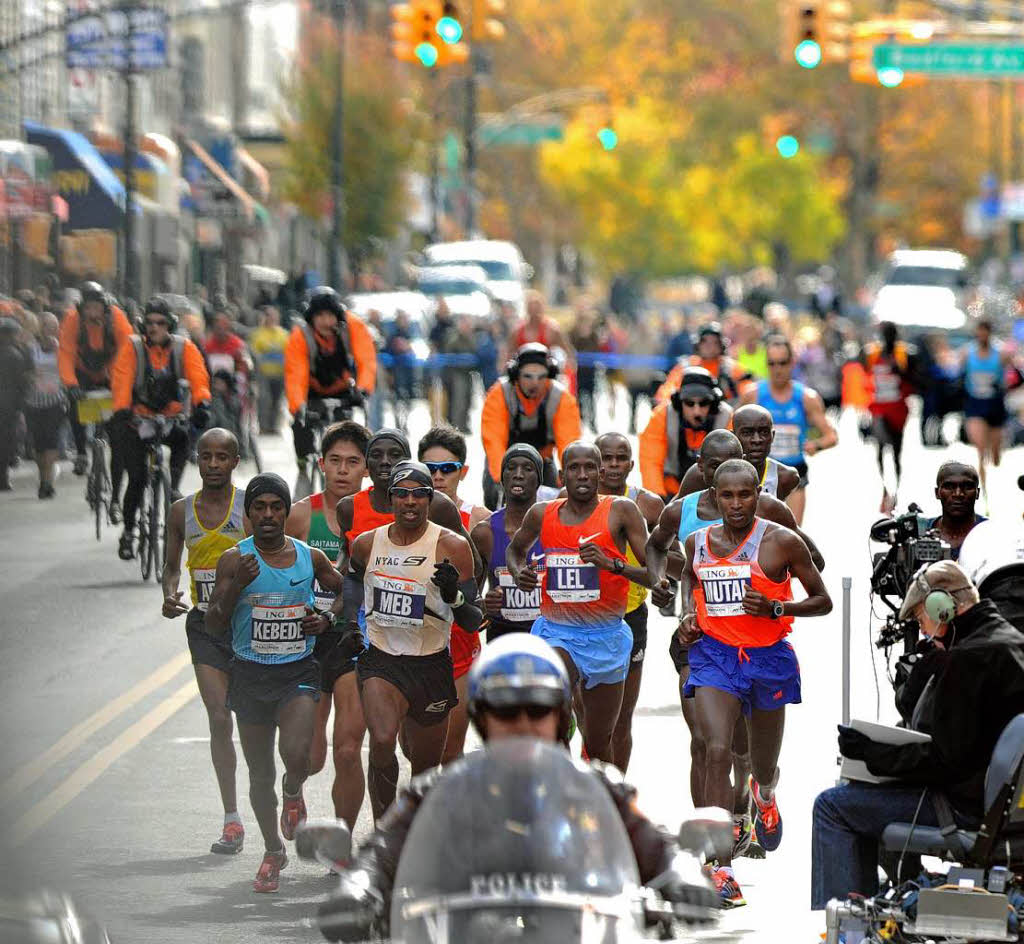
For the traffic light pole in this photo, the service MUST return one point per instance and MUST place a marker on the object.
(130, 282)
(475, 67)
(435, 159)
(337, 154)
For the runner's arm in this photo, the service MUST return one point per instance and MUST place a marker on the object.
(688, 630)
(818, 602)
(344, 513)
(346, 604)
(171, 576)
(634, 530)
(693, 481)
(458, 551)
(297, 525)
(483, 540)
(445, 512)
(226, 591)
(523, 540)
(778, 511)
(326, 574)
(661, 539)
(651, 506)
(789, 479)
(814, 409)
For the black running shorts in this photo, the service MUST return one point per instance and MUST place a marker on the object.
(334, 662)
(206, 648)
(426, 682)
(636, 620)
(257, 692)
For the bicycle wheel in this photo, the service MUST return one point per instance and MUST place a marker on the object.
(142, 517)
(99, 484)
(157, 520)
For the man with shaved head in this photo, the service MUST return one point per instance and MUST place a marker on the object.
(585, 587)
(738, 608)
(957, 487)
(208, 523)
(755, 429)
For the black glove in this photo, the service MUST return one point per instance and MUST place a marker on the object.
(852, 743)
(350, 914)
(299, 417)
(75, 393)
(351, 642)
(446, 579)
(122, 416)
(201, 415)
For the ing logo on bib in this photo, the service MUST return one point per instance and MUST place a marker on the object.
(724, 586)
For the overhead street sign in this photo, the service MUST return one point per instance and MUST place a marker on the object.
(952, 59)
(519, 133)
(128, 38)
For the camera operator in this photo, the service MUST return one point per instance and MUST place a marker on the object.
(957, 488)
(976, 687)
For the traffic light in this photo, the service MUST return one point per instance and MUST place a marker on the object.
(816, 31)
(487, 28)
(788, 146)
(608, 138)
(419, 29)
(449, 27)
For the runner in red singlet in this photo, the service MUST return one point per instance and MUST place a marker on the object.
(585, 586)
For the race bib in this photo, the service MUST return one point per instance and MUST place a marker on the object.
(277, 630)
(398, 604)
(322, 599)
(724, 586)
(204, 579)
(569, 580)
(982, 384)
(517, 606)
(887, 387)
(787, 441)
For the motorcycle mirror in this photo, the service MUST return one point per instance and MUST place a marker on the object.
(318, 839)
(707, 833)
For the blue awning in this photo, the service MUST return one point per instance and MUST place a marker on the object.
(95, 197)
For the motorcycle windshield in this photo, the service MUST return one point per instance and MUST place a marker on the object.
(516, 844)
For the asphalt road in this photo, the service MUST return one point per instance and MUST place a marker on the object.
(106, 789)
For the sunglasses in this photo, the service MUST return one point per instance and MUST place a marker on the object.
(445, 468)
(784, 363)
(420, 491)
(512, 712)
(692, 403)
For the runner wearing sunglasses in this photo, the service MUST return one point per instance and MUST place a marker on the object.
(443, 451)
(673, 436)
(413, 580)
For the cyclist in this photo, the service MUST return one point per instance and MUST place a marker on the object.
(329, 356)
(146, 379)
(91, 334)
(527, 406)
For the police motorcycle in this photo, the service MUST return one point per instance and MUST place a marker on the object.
(517, 844)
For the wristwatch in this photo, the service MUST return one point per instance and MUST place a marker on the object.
(618, 565)
(331, 618)
(778, 609)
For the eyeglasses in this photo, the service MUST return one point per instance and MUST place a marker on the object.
(445, 468)
(512, 712)
(784, 363)
(420, 491)
(693, 403)
(157, 323)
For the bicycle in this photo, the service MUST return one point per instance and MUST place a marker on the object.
(155, 502)
(331, 410)
(93, 411)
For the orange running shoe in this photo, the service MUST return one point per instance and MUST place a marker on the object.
(293, 812)
(767, 818)
(728, 888)
(268, 878)
(231, 840)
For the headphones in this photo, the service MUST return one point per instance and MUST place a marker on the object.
(939, 603)
(534, 351)
(700, 377)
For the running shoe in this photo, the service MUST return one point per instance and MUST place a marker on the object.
(81, 465)
(114, 511)
(728, 888)
(231, 840)
(767, 819)
(268, 878)
(293, 812)
(742, 834)
(126, 546)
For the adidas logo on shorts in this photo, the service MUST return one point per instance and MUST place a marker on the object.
(639, 656)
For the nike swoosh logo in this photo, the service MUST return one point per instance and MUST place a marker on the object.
(295, 583)
(537, 557)
(591, 538)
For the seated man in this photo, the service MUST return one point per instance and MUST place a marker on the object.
(977, 688)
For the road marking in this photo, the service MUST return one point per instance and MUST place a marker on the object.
(28, 774)
(43, 811)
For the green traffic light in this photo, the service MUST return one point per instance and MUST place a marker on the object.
(788, 146)
(427, 55)
(808, 54)
(608, 138)
(891, 77)
(449, 29)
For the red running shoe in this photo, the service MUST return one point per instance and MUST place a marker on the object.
(231, 840)
(727, 887)
(268, 878)
(293, 812)
(767, 818)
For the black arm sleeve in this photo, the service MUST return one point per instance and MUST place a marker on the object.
(468, 616)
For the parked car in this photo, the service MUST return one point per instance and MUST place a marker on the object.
(507, 272)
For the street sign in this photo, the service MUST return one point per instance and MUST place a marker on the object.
(127, 38)
(519, 134)
(952, 60)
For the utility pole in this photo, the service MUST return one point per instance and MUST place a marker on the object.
(130, 282)
(337, 153)
(435, 158)
(475, 68)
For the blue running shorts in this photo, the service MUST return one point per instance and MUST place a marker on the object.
(600, 652)
(763, 678)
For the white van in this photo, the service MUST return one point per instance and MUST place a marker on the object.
(923, 288)
(507, 271)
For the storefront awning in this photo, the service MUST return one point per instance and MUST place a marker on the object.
(94, 195)
(245, 202)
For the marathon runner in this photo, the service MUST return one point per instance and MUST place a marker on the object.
(263, 596)
(795, 408)
(755, 429)
(208, 523)
(413, 579)
(680, 519)
(985, 406)
(507, 608)
(737, 610)
(314, 520)
(443, 451)
(616, 465)
(585, 586)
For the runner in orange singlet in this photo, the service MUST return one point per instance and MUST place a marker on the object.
(737, 610)
(585, 586)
